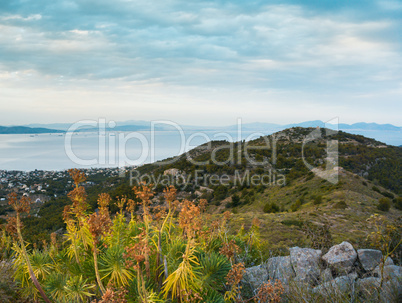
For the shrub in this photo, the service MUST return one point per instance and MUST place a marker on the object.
(271, 208)
(384, 204)
(295, 206)
(387, 194)
(317, 200)
(157, 253)
(235, 200)
(293, 222)
(9, 291)
(340, 205)
(398, 203)
(375, 188)
(320, 236)
(220, 192)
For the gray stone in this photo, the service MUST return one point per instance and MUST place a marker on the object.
(391, 292)
(391, 272)
(306, 264)
(369, 258)
(368, 284)
(326, 275)
(368, 288)
(389, 261)
(280, 268)
(341, 257)
(255, 276)
(340, 285)
(353, 275)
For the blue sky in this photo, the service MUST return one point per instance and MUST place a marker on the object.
(200, 62)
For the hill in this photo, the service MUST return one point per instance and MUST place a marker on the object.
(27, 130)
(368, 171)
(283, 152)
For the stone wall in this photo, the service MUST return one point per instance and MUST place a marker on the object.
(341, 271)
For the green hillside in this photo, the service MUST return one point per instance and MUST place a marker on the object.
(369, 171)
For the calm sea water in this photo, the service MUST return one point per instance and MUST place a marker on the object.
(85, 150)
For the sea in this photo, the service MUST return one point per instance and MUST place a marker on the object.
(119, 149)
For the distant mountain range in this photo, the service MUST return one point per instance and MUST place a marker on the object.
(139, 125)
(341, 126)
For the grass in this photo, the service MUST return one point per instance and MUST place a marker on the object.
(345, 207)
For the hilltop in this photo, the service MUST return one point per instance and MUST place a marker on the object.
(368, 171)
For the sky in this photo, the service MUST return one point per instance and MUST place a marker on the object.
(200, 62)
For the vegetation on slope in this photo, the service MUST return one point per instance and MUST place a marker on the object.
(168, 253)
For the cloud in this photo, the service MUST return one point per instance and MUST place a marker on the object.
(313, 47)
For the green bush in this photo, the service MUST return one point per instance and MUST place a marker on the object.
(398, 203)
(387, 195)
(271, 208)
(384, 204)
(317, 200)
(295, 206)
(340, 205)
(375, 188)
(293, 222)
(235, 200)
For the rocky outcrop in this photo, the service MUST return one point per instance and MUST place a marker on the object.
(341, 258)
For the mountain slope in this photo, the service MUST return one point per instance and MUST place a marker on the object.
(369, 171)
(282, 152)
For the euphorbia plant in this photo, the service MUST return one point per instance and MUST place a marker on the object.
(21, 206)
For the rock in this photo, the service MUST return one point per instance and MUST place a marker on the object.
(326, 275)
(389, 261)
(353, 275)
(368, 288)
(306, 264)
(280, 268)
(340, 285)
(341, 257)
(255, 276)
(369, 258)
(368, 283)
(391, 272)
(391, 292)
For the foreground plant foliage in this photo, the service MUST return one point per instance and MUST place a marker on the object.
(170, 252)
